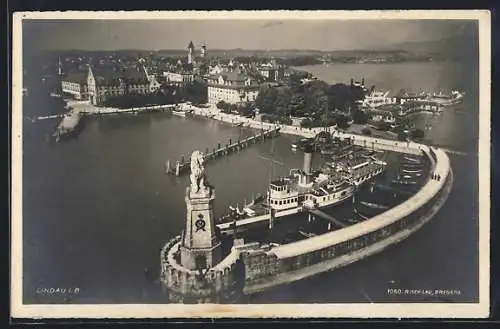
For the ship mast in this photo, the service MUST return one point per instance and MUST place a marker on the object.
(269, 157)
(271, 167)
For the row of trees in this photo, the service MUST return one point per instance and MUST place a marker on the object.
(243, 109)
(315, 99)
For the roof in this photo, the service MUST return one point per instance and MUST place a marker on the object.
(234, 76)
(240, 87)
(190, 46)
(111, 76)
(77, 77)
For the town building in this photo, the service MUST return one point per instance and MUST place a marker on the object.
(178, 78)
(75, 84)
(231, 87)
(272, 72)
(378, 98)
(403, 97)
(104, 83)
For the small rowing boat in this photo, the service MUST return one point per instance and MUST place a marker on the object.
(412, 171)
(374, 205)
(413, 160)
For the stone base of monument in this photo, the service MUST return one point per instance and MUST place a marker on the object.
(192, 265)
(211, 285)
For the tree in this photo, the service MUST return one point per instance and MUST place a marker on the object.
(266, 99)
(197, 92)
(382, 125)
(359, 117)
(402, 136)
(220, 105)
(307, 123)
(343, 97)
(342, 122)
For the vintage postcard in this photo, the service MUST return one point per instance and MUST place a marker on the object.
(259, 164)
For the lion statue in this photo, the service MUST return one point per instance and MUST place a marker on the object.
(197, 172)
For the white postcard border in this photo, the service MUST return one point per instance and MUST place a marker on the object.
(373, 310)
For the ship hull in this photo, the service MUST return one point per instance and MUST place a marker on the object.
(256, 222)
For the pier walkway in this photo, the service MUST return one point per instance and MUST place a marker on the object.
(182, 166)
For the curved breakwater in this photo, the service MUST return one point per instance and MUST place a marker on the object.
(332, 250)
(265, 266)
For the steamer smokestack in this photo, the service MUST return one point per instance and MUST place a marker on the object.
(308, 151)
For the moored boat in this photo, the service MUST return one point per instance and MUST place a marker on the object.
(304, 189)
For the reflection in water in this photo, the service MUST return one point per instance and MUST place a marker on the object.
(113, 122)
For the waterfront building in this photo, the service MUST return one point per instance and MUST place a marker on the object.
(297, 121)
(231, 87)
(404, 96)
(359, 84)
(378, 98)
(104, 83)
(75, 84)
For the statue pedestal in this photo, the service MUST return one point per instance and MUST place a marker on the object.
(200, 246)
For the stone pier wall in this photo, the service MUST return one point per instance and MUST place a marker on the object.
(218, 284)
(298, 260)
(256, 268)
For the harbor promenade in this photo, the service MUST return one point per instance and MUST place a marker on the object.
(212, 112)
(366, 141)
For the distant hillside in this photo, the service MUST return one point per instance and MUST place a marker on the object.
(451, 48)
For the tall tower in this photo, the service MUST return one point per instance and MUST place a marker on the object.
(190, 52)
(200, 245)
(59, 67)
(203, 51)
(59, 78)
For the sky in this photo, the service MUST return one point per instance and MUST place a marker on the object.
(230, 34)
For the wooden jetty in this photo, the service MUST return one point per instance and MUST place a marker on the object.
(182, 166)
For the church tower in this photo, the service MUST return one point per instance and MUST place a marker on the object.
(200, 245)
(190, 52)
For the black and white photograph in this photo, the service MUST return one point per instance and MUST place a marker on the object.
(251, 164)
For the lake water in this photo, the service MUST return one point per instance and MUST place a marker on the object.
(98, 208)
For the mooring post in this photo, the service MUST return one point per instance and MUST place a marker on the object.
(167, 169)
(230, 141)
(177, 168)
